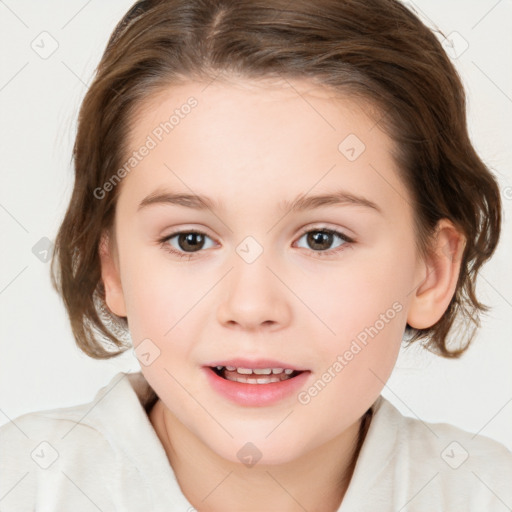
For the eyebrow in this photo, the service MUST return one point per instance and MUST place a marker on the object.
(300, 203)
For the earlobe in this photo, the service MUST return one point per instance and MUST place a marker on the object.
(110, 276)
(440, 273)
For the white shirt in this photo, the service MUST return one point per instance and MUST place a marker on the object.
(105, 455)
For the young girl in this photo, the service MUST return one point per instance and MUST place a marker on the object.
(317, 155)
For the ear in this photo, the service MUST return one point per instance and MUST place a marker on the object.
(110, 276)
(439, 273)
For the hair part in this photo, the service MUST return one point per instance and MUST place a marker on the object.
(376, 51)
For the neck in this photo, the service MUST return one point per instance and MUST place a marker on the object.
(316, 481)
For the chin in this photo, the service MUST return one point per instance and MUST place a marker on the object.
(256, 450)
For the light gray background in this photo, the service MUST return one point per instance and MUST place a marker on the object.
(39, 98)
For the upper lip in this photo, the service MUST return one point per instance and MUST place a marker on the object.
(255, 364)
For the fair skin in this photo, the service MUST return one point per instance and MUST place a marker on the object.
(250, 146)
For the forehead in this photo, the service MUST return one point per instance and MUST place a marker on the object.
(243, 140)
(265, 101)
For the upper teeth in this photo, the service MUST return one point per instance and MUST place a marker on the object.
(257, 371)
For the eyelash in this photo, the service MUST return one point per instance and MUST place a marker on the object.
(163, 241)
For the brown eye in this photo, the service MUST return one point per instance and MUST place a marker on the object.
(321, 240)
(190, 242)
(185, 242)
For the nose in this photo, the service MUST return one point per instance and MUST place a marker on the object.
(253, 297)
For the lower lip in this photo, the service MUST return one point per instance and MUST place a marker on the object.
(255, 395)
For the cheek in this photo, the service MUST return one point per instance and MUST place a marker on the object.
(150, 302)
(163, 300)
(356, 363)
(157, 292)
(364, 305)
(368, 288)
(160, 309)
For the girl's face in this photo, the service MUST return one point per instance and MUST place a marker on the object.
(323, 287)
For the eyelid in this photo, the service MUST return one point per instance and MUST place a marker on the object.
(181, 230)
(167, 237)
(163, 241)
(303, 231)
(324, 227)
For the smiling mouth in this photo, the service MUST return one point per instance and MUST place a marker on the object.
(256, 375)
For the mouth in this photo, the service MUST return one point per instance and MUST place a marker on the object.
(255, 383)
(255, 375)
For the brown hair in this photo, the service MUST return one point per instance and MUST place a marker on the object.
(376, 50)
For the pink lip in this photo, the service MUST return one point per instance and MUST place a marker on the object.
(255, 395)
(257, 363)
